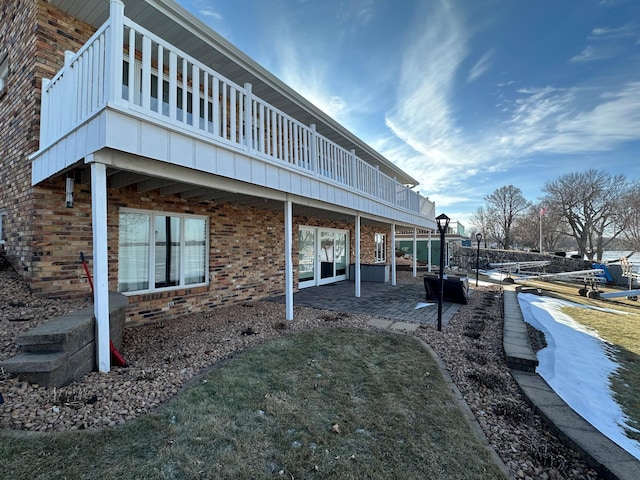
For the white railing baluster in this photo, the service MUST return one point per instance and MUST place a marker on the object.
(160, 80)
(225, 126)
(233, 94)
(205, 95)
(248, 118)
(263, 129)
(185, 90)
(195, 96)
(173, 86)
(215, 100)
(146, 73)
(131, 89)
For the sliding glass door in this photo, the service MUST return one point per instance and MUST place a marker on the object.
(322, 256)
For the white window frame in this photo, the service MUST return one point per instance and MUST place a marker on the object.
(381, 247)
(151, 277)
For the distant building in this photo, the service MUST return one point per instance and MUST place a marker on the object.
(428, 243)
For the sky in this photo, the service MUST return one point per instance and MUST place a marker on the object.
(467, 96)
(577, 366)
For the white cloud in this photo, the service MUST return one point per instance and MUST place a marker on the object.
(423, 117)
(573, 120)
(210, 13)
(600, 33)
(591, 53)
(480, 67)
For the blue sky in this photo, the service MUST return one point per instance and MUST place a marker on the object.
(465, 95)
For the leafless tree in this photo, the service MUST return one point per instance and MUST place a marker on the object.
(588, 203)
(504, 206)
(480, 220)
(630, 220)
(539, 224)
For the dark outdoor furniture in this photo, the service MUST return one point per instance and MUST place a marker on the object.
(455, 288)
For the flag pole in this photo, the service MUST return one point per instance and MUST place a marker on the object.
(541, 212)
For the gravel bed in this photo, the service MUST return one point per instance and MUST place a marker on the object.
(164, 357)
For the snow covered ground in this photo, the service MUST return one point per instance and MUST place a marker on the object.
(576, 365)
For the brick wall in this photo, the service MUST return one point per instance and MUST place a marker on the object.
(30, 36)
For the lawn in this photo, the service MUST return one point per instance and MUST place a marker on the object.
(330, 403)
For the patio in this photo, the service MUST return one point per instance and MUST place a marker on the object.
(404, 302)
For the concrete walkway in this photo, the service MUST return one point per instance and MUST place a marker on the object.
(603, 455)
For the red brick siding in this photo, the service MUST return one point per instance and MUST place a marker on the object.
(30, 33)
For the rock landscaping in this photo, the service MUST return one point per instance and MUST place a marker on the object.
(164, 357)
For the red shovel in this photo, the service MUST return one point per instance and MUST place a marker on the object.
(116, 357)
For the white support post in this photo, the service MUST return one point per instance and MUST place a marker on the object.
(429, 255)
(357, 266)
(114, 57)
(100, 263)
(70, 93)
(415, 252)
(393, 254)
(288, 261)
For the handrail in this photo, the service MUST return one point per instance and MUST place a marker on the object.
(162, 82)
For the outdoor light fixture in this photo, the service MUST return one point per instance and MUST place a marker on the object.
(478, 238)
(69, 191)
(443, 222)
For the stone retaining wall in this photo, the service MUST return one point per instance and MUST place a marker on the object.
(465, 259)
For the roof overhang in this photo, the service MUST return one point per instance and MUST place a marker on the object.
(169, 20)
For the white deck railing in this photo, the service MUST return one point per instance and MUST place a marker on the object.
(143, 73)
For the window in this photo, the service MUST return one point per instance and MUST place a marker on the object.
(381, 248)
(161, 251)
(4, 72)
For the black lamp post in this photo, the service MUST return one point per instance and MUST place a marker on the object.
(443, 222)
(478, 238)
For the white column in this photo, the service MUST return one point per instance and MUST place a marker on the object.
(415, 252)
(357, 266)
(429, 255)
(288, 261)
(100, 263)
(393, 255)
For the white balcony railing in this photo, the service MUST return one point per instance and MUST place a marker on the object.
(126, 65)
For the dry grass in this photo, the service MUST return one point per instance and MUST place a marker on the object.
(338, 403)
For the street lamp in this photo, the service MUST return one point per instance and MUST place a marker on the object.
(443, 222)
(478, 238)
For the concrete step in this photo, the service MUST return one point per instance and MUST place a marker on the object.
(68, 333)
(52, 369)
